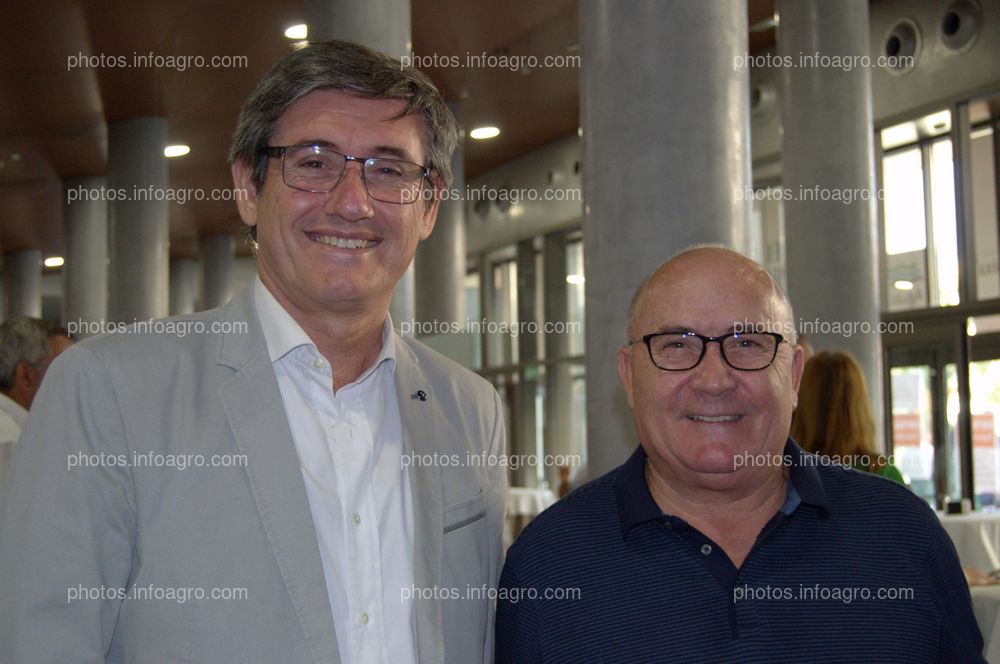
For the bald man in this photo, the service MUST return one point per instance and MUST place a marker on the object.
(720, 539)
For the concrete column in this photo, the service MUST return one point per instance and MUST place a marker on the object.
(526, 441)
(383, 25)
(439, 265)
(666, 159)
(827, 146)
(85, 275)
(558, 379)
(217, 259)
(183, 286)
(140, 229)
(23, 281)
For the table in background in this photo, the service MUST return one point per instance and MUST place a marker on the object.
(976, 536)
(523, 505)
(986, 606)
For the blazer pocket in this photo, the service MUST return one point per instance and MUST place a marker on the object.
(465, 512)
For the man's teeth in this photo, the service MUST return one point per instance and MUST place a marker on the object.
(343, 242)
(720, 418)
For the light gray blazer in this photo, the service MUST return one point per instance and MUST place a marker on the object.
(82, 533)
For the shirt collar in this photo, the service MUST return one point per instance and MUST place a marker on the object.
(636, 504)
(14, 409)
(283, 333)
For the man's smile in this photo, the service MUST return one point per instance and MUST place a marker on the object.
(715, 419)
(342, 242)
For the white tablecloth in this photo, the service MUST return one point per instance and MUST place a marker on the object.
(523, 505)
(977, 538)
(986, 606)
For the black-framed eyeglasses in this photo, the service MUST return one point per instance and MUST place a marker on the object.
(681, 351)
(318, 169)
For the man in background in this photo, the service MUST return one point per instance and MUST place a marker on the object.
(27, 348)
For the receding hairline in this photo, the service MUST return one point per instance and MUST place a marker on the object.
(696, 253)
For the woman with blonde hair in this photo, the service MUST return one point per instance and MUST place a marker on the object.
(834, 418)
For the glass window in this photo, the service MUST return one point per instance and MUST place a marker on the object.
(918, 214)
(768, 219)
(984, 383)
(575, 296)
(905, 231)
(502, 347)
(472, 300)
(954, 481)
(944, 252)
(984, 200)
(912, 428)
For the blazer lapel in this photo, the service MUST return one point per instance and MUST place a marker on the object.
(256, 415)
(425, 483)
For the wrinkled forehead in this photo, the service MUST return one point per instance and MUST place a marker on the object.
(711, 297)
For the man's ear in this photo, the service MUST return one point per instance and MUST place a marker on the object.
(246, 192)
(25, 377)
(430, 211)
(798, 365)
(625, 371)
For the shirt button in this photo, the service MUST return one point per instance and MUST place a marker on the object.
(706, 549)
(364, 618)
(319, 363)
(357, 520)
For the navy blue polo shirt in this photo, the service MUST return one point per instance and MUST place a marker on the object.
(852, 568)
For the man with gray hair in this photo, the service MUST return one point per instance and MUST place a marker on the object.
(272, 493)
(27, 347)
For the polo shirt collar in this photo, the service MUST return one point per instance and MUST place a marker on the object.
(636, 504)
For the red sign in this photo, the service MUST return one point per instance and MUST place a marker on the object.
(983, 433)
(906, 429)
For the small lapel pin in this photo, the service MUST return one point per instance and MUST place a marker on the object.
(420, 394)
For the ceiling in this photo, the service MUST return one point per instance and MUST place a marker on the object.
(54, 118)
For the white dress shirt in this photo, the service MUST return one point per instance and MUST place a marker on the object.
(12, 418)
(349, 445)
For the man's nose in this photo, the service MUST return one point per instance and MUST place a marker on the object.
(349, 198)
(713, 375)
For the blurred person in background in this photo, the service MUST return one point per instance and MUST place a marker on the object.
(27, 348)
(834, 418)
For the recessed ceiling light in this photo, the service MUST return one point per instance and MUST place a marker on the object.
(479, 133)
(903, 284)
(300, 31)
(53, 261)
(176, 150)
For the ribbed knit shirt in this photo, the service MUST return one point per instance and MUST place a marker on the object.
(852, 568)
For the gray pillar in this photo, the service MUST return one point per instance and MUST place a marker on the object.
(85, 275)
(183, 286)
(526, 441)
(22, 272)
(827, 146)
(217, 259)
(665, 118)
(558, 379)
(139, 224)
(439, 265)
(383, 25)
